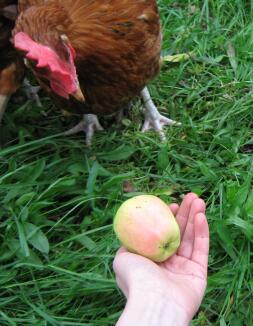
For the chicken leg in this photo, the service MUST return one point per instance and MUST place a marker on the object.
(89, 125)
(4, 99)
(153, 119)
(32, 92)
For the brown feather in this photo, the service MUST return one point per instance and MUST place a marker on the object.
(11, 65)
(117, 44)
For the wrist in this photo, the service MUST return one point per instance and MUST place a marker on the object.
(152, 309)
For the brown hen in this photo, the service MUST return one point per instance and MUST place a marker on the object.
(93, 56)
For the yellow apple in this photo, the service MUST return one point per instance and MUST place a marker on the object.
(146, 226)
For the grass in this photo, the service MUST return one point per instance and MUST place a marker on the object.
(58, 198)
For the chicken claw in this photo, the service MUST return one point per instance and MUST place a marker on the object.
(153, 119)
(89, 125)
(32, 92)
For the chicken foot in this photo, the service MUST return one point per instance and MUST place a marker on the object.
(32, 92)
(89, 125)
(153, 119)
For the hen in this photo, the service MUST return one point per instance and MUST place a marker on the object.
(93, 56)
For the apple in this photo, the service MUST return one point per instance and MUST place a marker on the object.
(146, 226)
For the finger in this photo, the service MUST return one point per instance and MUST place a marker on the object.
(184, 210)
(117, 262)
(174, 208)
(201, 240)
(121, 284)
(117, 259)
(121, 250)
(186, 246)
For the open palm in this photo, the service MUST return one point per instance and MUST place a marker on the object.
(182, 278)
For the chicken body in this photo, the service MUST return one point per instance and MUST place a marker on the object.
(115, 45)
(11, 65)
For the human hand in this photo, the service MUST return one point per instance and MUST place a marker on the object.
(179, 283)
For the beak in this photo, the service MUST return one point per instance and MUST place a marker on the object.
(78, 95)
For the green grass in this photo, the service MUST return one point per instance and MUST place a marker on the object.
(58, 198)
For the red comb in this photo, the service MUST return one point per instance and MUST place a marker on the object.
(46, 57)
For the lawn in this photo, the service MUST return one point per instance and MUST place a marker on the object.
(64, 195)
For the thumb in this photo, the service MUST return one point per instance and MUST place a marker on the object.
(120, 261)
(127, 264)
(121, 268)
(121, 250)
